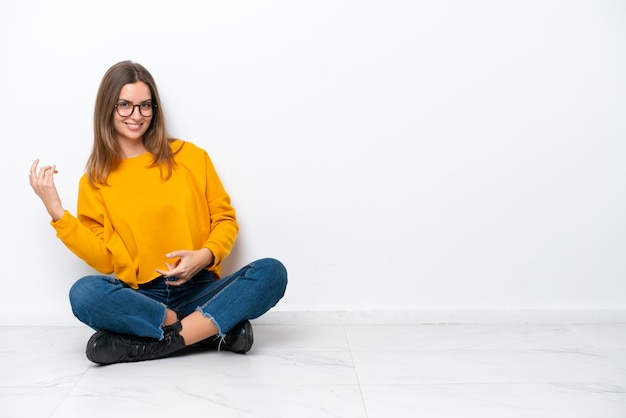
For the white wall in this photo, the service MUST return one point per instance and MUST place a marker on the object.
(418, 155)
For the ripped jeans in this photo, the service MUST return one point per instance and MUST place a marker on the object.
(106, 303)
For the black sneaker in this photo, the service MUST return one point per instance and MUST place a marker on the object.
(238, 340)
(105, 347)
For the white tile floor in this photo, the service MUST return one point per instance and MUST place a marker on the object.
(431, 371)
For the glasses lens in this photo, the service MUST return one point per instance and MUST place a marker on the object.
(126, 109)
(145, 108)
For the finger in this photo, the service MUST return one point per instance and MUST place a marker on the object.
(177, 253)
(176, 282)
(33, 167)
(176, 272)
(167, 275)
(170, 272)
(32, 174)
(51, 170)
(43, 171)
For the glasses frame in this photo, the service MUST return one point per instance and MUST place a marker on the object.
(153, 107)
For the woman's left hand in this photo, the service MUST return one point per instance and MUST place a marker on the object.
(188, 264)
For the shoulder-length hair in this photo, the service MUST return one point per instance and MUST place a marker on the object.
(106, 154)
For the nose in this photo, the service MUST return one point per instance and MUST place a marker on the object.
(136, 113)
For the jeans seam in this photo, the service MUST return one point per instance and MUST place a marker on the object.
(222, 290)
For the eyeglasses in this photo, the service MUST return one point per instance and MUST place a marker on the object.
(125, 109)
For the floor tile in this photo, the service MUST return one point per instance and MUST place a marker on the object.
(493, 401)
(464, 337)
(485, 366)
(489, 370)
(176, 399)
(299, 338)
(38, 368)
(618, 356)
(298, 368)
(603, 335)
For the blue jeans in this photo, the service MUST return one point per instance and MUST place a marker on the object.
(106, 303)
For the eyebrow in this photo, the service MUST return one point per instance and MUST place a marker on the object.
(130, 101)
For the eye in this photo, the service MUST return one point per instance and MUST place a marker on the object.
(124, 105)
(146, 105)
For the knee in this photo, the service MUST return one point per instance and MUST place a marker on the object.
(79, 293)
(84, 291)
(80, 289)
(276, 274)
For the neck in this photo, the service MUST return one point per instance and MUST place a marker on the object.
(131, 150)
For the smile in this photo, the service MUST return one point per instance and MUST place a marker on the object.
(133, 126)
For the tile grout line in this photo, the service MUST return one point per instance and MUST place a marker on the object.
(82, 375)
(598, 347)
(356, 373)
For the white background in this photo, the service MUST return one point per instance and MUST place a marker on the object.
(395, 155)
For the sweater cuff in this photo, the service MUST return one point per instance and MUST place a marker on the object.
(62, 223)
(217, 255)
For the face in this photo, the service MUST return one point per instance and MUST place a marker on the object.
(132, 128)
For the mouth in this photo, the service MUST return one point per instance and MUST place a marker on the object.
(133, 126)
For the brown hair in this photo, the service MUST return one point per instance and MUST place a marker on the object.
(105, 155)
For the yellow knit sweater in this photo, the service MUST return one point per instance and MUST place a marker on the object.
(127, 226)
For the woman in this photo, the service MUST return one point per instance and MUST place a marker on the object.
(154, 218)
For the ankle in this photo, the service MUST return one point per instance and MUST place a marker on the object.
(196, 327)
(171, 317)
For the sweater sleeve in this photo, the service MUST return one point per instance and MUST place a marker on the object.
(224, 227)
(84, 235)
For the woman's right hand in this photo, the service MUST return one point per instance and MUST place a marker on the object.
(42, 182)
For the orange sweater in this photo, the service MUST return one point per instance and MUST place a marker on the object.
(127, 226)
